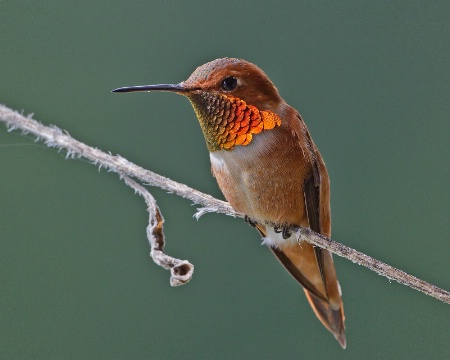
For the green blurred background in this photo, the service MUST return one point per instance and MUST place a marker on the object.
(371, 79)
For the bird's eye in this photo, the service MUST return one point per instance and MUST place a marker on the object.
(229, 83)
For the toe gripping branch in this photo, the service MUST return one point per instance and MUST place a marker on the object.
(249, 221)
(284, 230)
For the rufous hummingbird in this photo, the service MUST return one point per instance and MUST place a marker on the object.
(269, 169)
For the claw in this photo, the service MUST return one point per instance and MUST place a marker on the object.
(249, 221)
(284, 229)
(286, 233)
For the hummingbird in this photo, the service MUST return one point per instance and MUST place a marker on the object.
(269, 169)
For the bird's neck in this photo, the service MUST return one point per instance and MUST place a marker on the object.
(227, 121)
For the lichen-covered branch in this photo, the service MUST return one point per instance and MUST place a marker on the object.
(55, 137)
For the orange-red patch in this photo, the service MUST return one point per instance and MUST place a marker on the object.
(243, 121)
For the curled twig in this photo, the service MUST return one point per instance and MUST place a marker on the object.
(55, 137)
(181, 271)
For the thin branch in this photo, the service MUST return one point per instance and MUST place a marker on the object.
(379, 267)
(181, 271)
(55, 137)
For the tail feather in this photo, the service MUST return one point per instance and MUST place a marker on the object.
(322, 289)
(331, 282)
(295, 270)
(332, 319)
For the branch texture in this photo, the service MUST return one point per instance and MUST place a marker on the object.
(182, 270)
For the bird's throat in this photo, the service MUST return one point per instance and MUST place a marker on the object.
(227, 121)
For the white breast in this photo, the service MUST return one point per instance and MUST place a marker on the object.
(276, 240)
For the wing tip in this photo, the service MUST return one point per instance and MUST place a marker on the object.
(340, 337)
(333, 320)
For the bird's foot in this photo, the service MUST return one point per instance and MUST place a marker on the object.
(284, 230)
(249, 221)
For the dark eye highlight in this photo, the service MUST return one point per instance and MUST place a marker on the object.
(229, 83)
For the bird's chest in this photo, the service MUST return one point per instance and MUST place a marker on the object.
(263, 181)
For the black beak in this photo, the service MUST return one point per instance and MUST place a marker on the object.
(178, 88)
